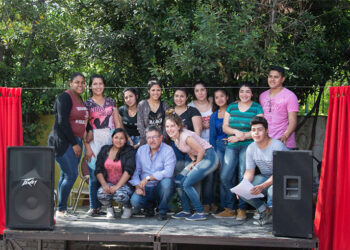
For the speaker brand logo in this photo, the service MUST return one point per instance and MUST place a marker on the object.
(29, 182)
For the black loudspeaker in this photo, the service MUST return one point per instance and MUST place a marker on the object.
(292, 194)
(30, 188)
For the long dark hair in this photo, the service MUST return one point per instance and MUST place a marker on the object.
(216, 107)
(122, 149)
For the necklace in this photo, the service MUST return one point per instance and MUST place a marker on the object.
(132, 113)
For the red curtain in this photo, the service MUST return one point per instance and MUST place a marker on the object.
(332, 219)
(11, 134)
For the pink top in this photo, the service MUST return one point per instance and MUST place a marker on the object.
(182, 145)
(78, 117)
(276, 113)
(114, 171)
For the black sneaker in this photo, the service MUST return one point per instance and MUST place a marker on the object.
(148, 213)
(161, 217)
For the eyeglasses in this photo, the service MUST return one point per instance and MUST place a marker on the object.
(148, 138)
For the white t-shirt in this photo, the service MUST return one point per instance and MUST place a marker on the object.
(263, 158)
(205, 117)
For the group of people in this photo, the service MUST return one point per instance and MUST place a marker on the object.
(140, 153)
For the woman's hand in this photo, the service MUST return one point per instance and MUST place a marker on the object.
(113, 189)
(232, 139)
(89, 153)
(77, 150)
(192, 165)
(240, 135)
(106, 189)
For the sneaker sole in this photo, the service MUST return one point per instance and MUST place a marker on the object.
(196, 219)
(223, 217)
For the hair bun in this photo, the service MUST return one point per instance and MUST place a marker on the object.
(170, 111)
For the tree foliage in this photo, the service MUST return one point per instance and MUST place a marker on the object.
(179, 41)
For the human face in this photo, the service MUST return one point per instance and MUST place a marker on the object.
(154, 139)
(245, 94)
(119, 140)
(220, 98)
(200, 92)
(180, 98)
(97, 86)
(129, 98)
(259, 133)
(172, 129)
(275, 79)
(77, 85)
(154, 92)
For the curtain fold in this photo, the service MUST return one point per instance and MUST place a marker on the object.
(11, 134)
(331, 219)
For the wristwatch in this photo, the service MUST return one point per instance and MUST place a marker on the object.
(148, 178)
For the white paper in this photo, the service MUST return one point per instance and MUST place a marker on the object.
(243, 189)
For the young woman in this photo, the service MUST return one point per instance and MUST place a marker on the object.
(191, 119)
(217, 138)
(115, 164)
(66, 136)
(204, 162)
(151, 111)
(237, 126)
(103, 119)
(128, 113)
(204, 106)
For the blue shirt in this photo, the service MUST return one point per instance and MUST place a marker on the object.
(160, 166)
(215, 126)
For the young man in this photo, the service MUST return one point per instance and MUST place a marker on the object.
(260, 153)
(153, 177)
(280, 107)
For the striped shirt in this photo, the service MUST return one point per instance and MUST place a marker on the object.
(241, 120)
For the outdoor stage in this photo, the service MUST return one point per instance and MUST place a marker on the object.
(161, 234)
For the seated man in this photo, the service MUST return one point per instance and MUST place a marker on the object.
(155, 163)
(260, 153)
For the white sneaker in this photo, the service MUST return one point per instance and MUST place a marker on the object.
(110, 213)
(126, 213)
(64, 215)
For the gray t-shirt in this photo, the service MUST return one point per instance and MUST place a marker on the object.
(263, 158)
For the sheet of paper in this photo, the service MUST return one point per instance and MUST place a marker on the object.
(243, 189)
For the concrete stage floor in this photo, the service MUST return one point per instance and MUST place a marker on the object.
(163, 234)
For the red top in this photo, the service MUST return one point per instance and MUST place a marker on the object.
(114, 170)
(78, 117)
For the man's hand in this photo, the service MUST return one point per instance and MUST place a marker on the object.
(143, 183)
(77, 150)
(257, 189)
(283, 139)
(140, 191)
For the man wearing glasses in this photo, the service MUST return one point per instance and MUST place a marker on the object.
(280, 106)
(153, 177)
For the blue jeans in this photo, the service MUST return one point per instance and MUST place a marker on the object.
(160, 194)
(234, 157)
(186, 180)
(93, 185)
(259, 203)
(182, 159)
(68, 163)
(209, 182)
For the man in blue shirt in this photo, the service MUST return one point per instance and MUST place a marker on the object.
(153, 177)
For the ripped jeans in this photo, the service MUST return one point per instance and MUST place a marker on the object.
(186, 180)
